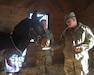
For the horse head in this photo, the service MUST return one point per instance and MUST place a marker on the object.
(37, 31)
(29, 29)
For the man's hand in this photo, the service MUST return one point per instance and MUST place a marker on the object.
(77, 49)
(52, 53)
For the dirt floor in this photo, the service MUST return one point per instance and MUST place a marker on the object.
(56, 69)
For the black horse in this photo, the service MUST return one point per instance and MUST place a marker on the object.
(15, 43)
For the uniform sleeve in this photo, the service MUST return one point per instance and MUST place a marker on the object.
(89, 40)
(60, 43)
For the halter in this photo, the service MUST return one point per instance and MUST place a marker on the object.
(14, 43)
(31, 30)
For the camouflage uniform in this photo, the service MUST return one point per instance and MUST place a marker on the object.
(76, 63)
(43, 57)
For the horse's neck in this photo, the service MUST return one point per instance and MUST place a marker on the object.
(21, 36)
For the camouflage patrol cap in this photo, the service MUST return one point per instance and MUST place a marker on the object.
(70, 15)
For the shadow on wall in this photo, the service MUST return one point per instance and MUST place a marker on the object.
(91, 59)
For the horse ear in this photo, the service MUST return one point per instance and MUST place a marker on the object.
(24, 52)
(34, 16)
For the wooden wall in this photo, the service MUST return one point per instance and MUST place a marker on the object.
(10, 16)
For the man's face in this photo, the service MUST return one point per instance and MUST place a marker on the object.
(44, 24)
(72, 23)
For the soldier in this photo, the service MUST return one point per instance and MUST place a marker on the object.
(44, 57)
(77, 39)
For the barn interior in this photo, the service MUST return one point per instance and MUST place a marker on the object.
(13, 11)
